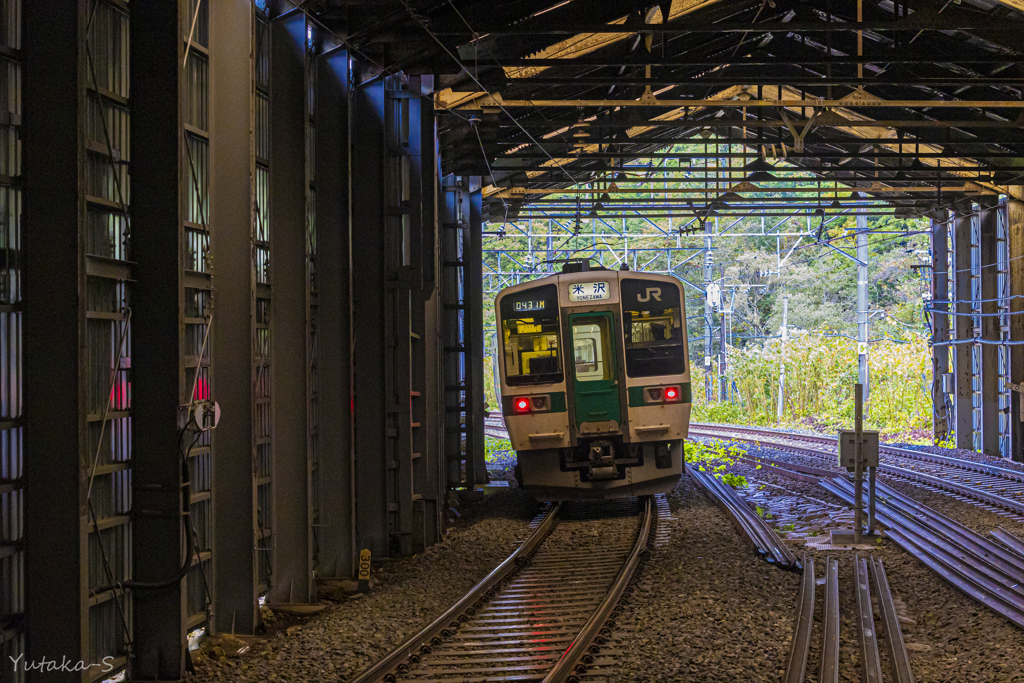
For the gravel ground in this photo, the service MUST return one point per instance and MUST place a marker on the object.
(347, 637)
(706, 608)
(951, 638)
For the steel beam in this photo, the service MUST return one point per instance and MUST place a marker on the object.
(941, 419)
(57, 555)
(292, 581)
(990, 380)
(334, 493)
(1015, 243)
(488, 101)
(964, 328)
(235, 577)
(157, 46)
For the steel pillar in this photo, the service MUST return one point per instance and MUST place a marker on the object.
(57, 554)
(863, 306)
(292, 568)
(476, 469)
(428, 490)
(1015, 249)
(235, 578)
(158, 375)
(333, 493)
(989, 379)
(964, 328)
(451, 286)
(368, 357)
(941, 419)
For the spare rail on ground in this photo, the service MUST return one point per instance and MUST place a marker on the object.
(800, 646)
(893, 634)
(829, 671)
(760, 534)
(983, 570)
(871, 664)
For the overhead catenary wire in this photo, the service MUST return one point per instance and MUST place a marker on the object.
(444, 47)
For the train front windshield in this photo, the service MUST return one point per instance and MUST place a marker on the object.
(529, 331)
(653, 321)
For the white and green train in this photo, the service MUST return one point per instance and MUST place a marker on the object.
(595, 382)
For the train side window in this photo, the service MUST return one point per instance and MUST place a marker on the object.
(588, 342)
(653, 322)
(529, 326)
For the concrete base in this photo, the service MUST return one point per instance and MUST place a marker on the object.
(844, 537)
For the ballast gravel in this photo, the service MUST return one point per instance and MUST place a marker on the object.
(704, 607)
(347, 637)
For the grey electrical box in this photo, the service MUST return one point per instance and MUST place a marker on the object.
(948, 384)
(869, 448)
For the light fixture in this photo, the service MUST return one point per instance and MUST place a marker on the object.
(836, 204)
(605, 198)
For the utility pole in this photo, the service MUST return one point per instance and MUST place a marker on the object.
(782, 359)
(862, 307)
(708, 304)
(723, 378)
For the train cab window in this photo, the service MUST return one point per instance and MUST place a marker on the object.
(590, 345)
(653, 321)
(529, 326)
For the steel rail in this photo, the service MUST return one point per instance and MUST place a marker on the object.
(871, 665)
(966, 570)
(1009, 540)
(567, 666)
(423, 638)
(893, 633)
(761, 536)
(829, 670)
(895, 470)
(959, 463)
(800, 646)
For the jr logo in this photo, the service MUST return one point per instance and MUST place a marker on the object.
(651, 291)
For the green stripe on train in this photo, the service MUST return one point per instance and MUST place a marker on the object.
(636, 395)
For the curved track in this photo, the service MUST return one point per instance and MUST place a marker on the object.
(542, 615)
(991, 487)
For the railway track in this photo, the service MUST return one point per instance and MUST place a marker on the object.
(494, 426)
(990, 487)
(544, 613)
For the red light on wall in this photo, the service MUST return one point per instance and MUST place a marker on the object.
(521, 405)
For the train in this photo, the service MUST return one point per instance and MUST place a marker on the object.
(595, 382)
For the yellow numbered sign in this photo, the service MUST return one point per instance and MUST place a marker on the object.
(364, 569)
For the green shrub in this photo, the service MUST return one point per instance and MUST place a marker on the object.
(715, 457)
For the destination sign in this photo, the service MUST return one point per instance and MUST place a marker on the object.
(589, 291)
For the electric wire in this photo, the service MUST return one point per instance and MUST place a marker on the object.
(444, 47)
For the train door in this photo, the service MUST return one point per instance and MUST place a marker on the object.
(595, 368)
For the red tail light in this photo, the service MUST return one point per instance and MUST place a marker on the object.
(538, 403)
(670, 394)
